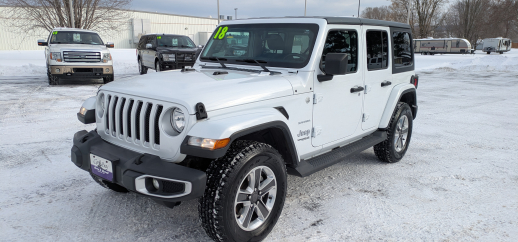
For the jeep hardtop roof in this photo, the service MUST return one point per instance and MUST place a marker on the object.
(344, 20)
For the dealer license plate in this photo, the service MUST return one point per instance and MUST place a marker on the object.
(101, 167)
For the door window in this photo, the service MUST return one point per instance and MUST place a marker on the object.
(377, 50)
(342, 41)
(403, 49)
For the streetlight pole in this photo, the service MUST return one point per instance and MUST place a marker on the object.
(218, 11)
(305, 6)
(236, 12)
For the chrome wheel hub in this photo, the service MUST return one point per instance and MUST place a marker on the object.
(401, 135)
(255, 198)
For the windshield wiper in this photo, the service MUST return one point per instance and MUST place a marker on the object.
(219, 60)
(261, 63)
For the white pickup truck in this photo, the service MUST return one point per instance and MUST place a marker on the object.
(77, 53)
(266, 98)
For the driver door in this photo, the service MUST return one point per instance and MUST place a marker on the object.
(337, 110)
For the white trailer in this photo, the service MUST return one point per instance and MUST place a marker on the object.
(499, 45)
(433, 46)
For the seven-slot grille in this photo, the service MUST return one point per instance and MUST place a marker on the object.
(133, 120)
(81, 56)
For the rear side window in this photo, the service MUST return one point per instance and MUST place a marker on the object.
(402, 49)
(377, 50)
(342, 41)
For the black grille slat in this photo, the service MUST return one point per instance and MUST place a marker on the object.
(114, 119)
(157, 130)
(137, 120)
(107, 123)
(146, 123)
(129, 117)
(121, 115)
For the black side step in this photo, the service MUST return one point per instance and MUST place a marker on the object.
(308, 167)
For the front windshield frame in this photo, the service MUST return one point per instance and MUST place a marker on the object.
(75, 37)
(290, 35)
(165, 39)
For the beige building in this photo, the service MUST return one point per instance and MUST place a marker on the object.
(138, 23)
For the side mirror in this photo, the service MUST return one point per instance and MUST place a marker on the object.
(336, 64)
(42, 43)
(149, 46)
(110, 44)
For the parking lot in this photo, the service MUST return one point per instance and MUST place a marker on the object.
(457, 182)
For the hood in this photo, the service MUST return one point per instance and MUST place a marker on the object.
(77, 47)
(214, 91)
(171, 50)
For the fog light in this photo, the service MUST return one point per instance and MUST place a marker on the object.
(156, 184)
(57, 70)
(107, 70)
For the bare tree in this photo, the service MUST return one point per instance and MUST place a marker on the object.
(467, 18)
(34, 15)
(381, 13)
(427, 12)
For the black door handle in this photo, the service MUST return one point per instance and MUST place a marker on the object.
(357, 89)
(386, 83)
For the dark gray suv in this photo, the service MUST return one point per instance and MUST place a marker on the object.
(165, 52)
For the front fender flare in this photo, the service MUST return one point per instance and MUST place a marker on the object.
(394, 98)
(233, 126)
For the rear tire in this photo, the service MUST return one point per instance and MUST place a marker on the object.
(233, 203)
(141, 68)
(108, 185)
(399, 133)
(489, 52)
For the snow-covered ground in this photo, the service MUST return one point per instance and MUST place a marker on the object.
(458, 181)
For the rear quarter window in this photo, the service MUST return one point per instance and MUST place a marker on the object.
(402, 47)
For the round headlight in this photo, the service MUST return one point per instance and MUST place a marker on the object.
(101, 104)
(178, 120)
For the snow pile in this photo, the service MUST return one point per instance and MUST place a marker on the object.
(32, 62)
(479, 62)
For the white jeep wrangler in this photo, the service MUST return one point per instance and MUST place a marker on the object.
(76, 53)
(265, 98)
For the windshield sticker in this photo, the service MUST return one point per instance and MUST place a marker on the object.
(159, 37)
(77, 37)
(55, 32)
(221, 35)
(175, 41)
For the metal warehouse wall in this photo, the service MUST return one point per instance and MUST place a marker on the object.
(123, 38)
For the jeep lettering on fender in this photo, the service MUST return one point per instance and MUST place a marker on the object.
(265, 98)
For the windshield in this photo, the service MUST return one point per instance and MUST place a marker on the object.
(175, 41)
(72, 37)
(277, 45)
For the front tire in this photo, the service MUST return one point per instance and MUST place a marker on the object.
(108, 79)
(157, 66)
(398, 135)
(236, 206)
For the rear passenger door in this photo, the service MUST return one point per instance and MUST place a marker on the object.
(378, 74)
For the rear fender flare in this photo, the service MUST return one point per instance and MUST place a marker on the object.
(397, 92)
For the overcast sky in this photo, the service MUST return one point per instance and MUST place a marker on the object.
(257, 8)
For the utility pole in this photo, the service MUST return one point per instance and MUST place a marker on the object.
(236, 12)
(359, 8)
(305, 6)
(218, 11)
(72, 21)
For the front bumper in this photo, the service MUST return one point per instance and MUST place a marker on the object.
(131, 169)
(171, 65)
(64, 71)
